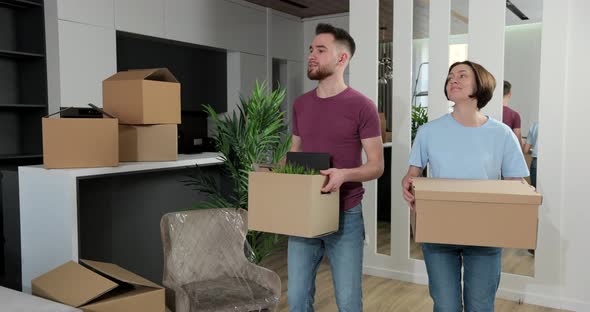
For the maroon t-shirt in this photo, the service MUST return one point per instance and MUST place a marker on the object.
(511, 118)
(336, 125)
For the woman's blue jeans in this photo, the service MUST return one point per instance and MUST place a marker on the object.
(481, 276)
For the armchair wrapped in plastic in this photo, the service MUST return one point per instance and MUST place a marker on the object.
(206, 267)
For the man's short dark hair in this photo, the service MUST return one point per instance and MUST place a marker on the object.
(485, 83)
(340, 35)
(507, 87)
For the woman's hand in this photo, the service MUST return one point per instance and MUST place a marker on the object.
(407, 190)
(407, 185)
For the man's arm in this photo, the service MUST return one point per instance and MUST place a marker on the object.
(372, 169)
(295, 144)
(527, 148)
(518, 136)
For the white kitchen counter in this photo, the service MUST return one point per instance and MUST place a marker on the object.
(49, 208)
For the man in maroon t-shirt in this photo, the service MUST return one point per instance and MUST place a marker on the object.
(509, 116)
(335, 119)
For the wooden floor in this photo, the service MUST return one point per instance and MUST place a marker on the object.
(515, 261)
(379, 294)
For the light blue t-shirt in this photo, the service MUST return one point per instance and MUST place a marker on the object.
(453, 151)
(531, 139)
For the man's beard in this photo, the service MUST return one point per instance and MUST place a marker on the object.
(320, 73)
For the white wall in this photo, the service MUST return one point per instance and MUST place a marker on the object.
(236, 26)
(243, 70)
(286, 39)
(234, 81)
(286, 36)
(575, 212)
(85, 53)
(91, 12)
(364, 66)
(294, 87)
(253, 68)
(309, 25)
(420, 54)
(486, 45)
(438, 60)
(144, 17)
(522, 63)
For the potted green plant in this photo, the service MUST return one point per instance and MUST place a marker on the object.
(419, 117)
(256, 133)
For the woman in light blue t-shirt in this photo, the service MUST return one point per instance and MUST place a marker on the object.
(465, 144)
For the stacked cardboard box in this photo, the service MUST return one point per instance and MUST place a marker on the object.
(494, 213)
(385, 135)
(147, 104)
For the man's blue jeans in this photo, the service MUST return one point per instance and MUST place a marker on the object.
(482, 268)
(345, 252)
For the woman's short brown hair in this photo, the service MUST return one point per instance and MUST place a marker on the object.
(485, 83)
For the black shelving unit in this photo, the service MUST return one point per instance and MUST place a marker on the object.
(20, 4)
(23, 101)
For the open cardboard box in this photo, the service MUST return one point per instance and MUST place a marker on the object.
(494, 213)
(291, 204)
(99, 286)
(143, 96)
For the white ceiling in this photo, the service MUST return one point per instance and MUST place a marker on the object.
(533, 9)
(459, 12)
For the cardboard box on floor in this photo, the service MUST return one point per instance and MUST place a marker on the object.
(99, 286)
(291, 204)
(148, 143)
(143, 96)
(80, 142)
(494, 213)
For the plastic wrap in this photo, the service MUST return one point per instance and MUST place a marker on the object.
(206, 267)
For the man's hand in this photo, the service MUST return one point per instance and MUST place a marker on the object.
(335, 179)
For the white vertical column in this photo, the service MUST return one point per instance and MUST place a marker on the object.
(401, 127)
(440, 24)
(486, 45)
(364, 28)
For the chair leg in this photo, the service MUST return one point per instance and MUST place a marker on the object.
(182, 302)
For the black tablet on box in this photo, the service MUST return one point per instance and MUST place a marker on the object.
(317, 161)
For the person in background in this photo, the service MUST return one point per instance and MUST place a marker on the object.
(509, 116)
(531, 147)
(464, 144)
